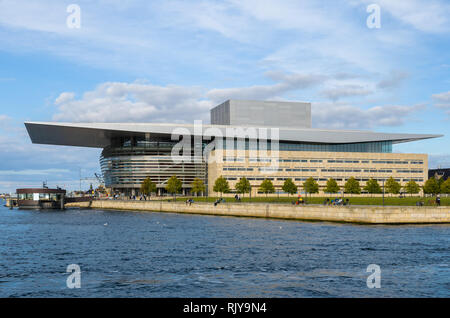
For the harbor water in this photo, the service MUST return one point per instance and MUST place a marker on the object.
(144, 254)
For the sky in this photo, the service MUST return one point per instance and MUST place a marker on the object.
(172, 60)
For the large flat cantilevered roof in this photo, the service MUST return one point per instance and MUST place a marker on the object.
(98, 135)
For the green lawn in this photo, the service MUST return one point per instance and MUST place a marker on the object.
(355, 200)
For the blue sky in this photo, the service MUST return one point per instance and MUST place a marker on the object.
(171, 61)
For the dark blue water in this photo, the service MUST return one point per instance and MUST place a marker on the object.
(171, 255)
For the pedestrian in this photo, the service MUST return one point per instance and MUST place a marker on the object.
(438, 201)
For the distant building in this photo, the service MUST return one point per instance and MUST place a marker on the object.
(135, 151)
(439, 173)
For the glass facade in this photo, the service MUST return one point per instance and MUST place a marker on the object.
(375, 147)
(380, 146)
(130, 160)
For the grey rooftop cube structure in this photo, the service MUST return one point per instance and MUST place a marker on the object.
(262, 113)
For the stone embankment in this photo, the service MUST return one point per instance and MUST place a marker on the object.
(350, 214)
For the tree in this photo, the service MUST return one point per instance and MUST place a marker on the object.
(412, 187)
(372, 186)
(440, 181)
(198, 186)
(392, 186)
(174, 186)
(243, 186)
(352, 186)
(147, 186)
(221, 185)
(431, 186)
(332, 186)
(445, 186)
(289, 186)
(267, 187)
(311, 186)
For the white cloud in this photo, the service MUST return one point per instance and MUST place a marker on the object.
(348, 90)
(285, 14)
(442, 98)
(107, 38)
(133, 102)
(33, 172)
(442, 101)
(142, 102)
(286, 83)
(424, 15)
(393, 80)
(345, 116)
(64, 98)
(132, 35)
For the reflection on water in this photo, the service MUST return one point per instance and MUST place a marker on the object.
(132, 254)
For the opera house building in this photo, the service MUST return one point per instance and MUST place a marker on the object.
(253, 139)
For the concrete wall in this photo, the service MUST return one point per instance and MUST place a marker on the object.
(355, 214)
(262, 113)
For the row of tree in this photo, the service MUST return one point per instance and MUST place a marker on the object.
(173, 186)
(352, 186)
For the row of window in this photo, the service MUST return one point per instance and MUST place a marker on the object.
(271, 169)
(269, 160)
(371, 170)
(237, 169)
(39, 196)
(319, 179)
(398, 162)
(346, 161)
(409, 171)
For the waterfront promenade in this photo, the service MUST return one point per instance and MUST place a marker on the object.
(348, 214)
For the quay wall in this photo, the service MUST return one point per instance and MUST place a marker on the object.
(351, 214)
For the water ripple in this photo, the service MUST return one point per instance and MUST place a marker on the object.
(169, 255)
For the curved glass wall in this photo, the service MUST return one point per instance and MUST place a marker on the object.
(131, 160)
